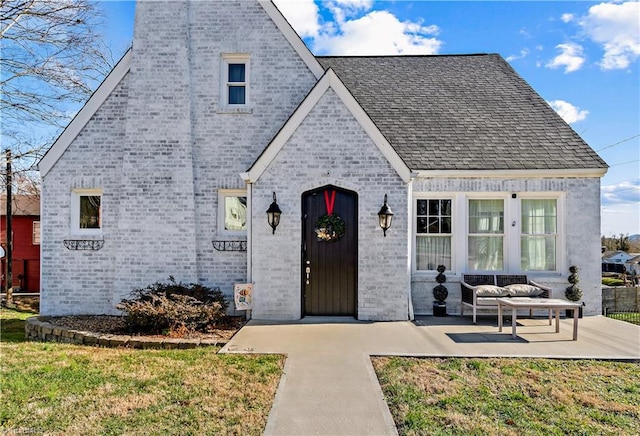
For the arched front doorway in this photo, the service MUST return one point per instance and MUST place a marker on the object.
(329, 252)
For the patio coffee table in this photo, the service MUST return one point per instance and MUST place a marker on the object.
(538, 303)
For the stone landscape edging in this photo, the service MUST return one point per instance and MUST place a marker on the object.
(40, 330)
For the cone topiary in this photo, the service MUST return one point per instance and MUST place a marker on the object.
(573, 292)
(440, 292)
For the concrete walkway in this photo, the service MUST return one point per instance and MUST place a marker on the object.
(329, 386)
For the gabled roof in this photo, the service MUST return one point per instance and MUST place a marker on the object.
(613, 253)
(329, 80)
(21, 205)
(123, 66)
(83, 116)
(463, 112)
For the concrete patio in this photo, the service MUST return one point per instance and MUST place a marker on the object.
(329, 386)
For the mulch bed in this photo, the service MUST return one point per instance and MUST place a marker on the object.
(115, 325)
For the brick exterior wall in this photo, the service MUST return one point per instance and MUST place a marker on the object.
(160, 147)
(581, 236)
(311, 160)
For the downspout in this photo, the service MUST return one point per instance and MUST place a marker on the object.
(249, 237)
(410, 240)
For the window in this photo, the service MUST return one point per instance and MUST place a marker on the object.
(500, 232)
(235, 79)
(232, 212)
(538, 240)
(433, 234)
(486, 235)
(36, 233)
(86, 211)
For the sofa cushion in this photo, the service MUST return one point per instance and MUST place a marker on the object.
(522, 290)
(487, 301)
(491, 291)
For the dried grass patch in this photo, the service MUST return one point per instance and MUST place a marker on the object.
(65, 389)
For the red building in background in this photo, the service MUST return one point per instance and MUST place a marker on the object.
(26, 242)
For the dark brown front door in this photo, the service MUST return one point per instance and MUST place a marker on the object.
(329, 255)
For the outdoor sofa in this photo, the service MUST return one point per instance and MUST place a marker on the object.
(480, 291)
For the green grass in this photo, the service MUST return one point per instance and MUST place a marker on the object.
(610, 281)
(632, 317)
(511, 396)
(12, 324)
(63, 389)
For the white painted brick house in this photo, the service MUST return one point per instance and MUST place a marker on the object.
(219, 105)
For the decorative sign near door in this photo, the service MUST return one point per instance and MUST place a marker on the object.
(330, 227)
(242, 295)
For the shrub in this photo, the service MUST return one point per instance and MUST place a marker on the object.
(173, 307)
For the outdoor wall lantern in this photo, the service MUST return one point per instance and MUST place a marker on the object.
(385, 216)
(273, 214)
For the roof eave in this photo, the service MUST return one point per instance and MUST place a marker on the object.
(81, 119)
(328, 81)
(514, 173)
(292, 36)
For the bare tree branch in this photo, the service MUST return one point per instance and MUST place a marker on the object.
(51, 60)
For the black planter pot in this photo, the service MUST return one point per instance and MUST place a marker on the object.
(439, 309)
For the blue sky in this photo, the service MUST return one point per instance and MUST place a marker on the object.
(582, 57)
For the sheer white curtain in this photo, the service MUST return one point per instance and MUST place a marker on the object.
(486, 235)
(432, 251)
(235, 216)
(538, 239)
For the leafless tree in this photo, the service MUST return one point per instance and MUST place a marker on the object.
(51, 59)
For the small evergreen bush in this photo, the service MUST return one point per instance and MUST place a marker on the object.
(173, 307)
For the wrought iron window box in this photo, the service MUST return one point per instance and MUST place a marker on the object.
(84, 244)
(230, 245)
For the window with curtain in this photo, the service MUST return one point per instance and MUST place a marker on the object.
(90, 212)
(433, 234)
(232, 212)
(235, 215)
(486, 235)
(538, 239)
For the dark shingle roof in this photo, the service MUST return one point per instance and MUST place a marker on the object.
(461, 112)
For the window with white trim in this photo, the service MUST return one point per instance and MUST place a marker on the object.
(235, 80)
(86, 211)
(36, 233)
(486, 235)
(232, 212)
(433, 233)
(539, 234)
(497, 232)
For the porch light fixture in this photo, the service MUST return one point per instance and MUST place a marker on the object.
(385, 216)
(273, 214)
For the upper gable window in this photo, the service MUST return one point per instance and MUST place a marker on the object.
(235, 80)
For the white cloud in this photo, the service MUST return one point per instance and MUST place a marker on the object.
(620, 209)
(341, 9)
(627, 191)
(523, 54)
(567, 18)
(571, 57)
(617, 28)
(379, 32)
(303, 15)
(570, 113)
(356, 29)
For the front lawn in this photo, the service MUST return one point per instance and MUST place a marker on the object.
(456, 396)
(66, 389)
